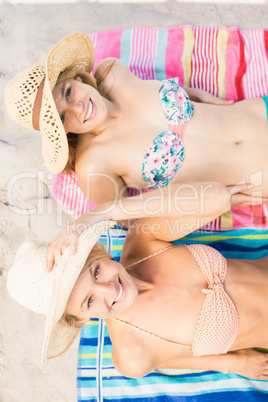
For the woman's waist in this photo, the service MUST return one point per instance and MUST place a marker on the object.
(242, 121)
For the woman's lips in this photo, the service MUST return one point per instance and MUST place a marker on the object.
(90, 110)
(121, 293)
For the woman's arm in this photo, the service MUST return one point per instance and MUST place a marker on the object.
(198, 95)
(146, 356)
(101, 187)
(196, 204)
(247, 362)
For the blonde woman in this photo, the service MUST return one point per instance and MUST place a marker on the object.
(165, 306)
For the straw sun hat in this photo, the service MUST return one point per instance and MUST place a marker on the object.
(30, 284)
(22, 96)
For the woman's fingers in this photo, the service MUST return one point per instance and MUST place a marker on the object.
(248, 199)
(239, 198)
(250, 363)
(240, 188)
(50, 259)
(67, 238)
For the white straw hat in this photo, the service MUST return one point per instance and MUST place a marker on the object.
(75, 50)
(30, 284)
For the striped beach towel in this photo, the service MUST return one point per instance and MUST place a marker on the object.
(222, 61)
(227, 62)
(98, 380)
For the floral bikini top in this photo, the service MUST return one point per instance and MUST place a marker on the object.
(165, 155)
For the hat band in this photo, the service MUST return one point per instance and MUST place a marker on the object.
(37, 106)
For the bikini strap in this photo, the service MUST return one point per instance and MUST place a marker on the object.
(143, 331)
(149, 256)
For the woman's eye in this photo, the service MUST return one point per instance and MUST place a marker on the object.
(96, 272)
(62, 117)
(68, 92)
(90, 301)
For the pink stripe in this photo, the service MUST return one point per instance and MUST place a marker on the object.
(232, 63)
(255, 80)
(194, 57)
(106, 44)
(204, 60)
(143, 54)
(174, 52)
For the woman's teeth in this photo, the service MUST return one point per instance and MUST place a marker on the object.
(119, 294)
(89, 112)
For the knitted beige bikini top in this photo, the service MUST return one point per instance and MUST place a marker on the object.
(218, 321)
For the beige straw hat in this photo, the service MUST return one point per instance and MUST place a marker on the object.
(30, 284)
(75, 50)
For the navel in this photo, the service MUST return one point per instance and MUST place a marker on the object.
(238, 142)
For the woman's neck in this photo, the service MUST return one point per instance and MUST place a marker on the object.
(141, 284)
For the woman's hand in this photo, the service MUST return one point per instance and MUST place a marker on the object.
(250, 363)
(239, 199)
(198, 95)
(68, 237)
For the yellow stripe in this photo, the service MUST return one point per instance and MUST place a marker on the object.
(222, 40)
(179, 372)
(219, 237)
(117, 247)
(89, 355)
(227, 220)
(92, 323)
(94, 355)
(187, 55)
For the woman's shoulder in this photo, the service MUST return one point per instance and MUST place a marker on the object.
(106, 65)
(130, 361)
(111, 72)
(140, 242)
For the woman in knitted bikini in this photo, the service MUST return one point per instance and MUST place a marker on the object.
(165, 306)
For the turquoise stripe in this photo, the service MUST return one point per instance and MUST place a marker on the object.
(265, 98)
(125, 52)
(160, 60)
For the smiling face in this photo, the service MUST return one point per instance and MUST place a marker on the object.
(81, 108)
(103, 289)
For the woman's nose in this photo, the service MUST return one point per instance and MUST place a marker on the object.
(76, 108)
(108, 289)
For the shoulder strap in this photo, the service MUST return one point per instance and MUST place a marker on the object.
(150, 333)
(149, 256)
(138, 328)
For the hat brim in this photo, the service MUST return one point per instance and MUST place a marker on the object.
(59, 336)
(77, 51)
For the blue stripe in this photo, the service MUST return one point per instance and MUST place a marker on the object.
(125, 51)
(160, 60)
(99, 364)
(265, 98)
(226, 396)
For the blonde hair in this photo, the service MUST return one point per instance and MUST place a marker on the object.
(98, 252)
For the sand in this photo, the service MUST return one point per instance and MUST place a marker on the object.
(27, 210)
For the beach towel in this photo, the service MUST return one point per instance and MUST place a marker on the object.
(98, 380)
(227, 62)
(231, 64)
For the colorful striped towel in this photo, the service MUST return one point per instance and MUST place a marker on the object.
(227, 62)
(97, 379)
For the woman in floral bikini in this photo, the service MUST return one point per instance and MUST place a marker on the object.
(135, 133)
